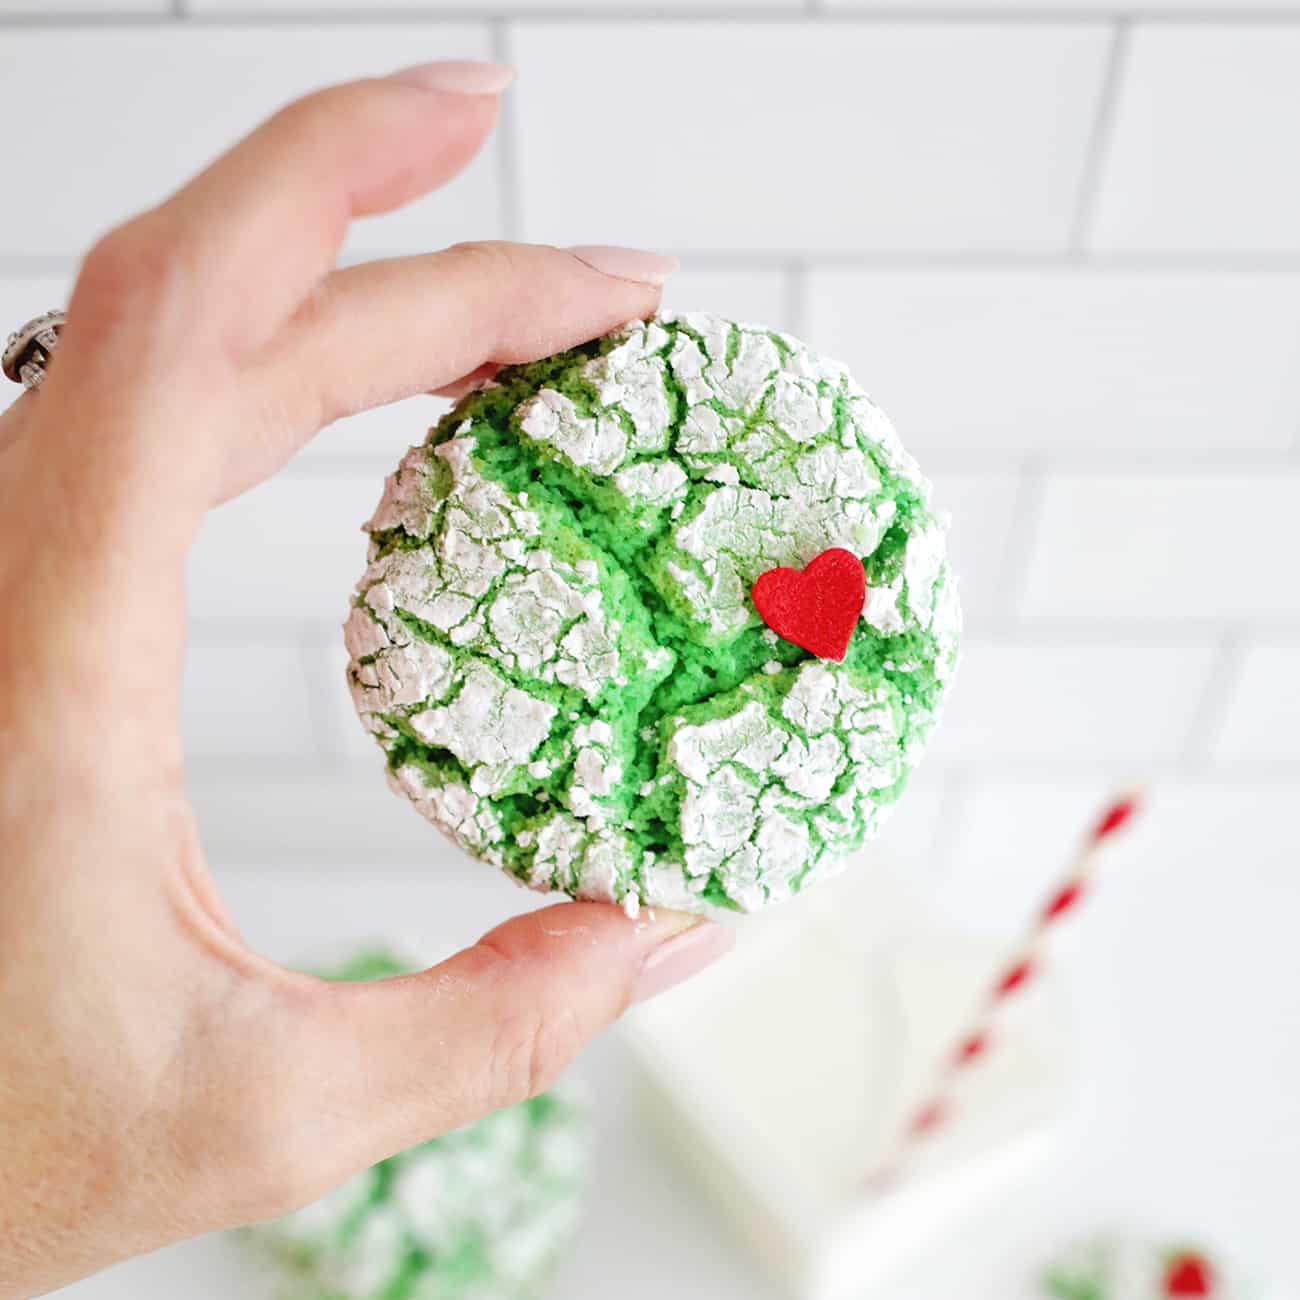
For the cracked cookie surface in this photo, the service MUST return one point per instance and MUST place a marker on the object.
(554, 640)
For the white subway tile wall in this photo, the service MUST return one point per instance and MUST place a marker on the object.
(372, 442)
(491, 7)
(1056, 238)
(1202, 157)
(982, 506)
(128, 113)
(1038, 8)
(1260, 713)
(310, 816)
(1075, 360)
(1129, 705)
(753, 293)
(1211, 545)
(25, 296)
(84, 8)
(288, 552)
(1008, 839)
(1225, 844)
(806, 136)
(909, 840)
(250, 699)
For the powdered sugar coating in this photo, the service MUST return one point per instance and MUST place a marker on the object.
(492, 727)
(555, 641)
(752, 776)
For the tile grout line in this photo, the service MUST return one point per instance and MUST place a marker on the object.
(1037, 772)
(880, 262)
(313, 656)
(1022, 534)
(1108, 460)
(507, 138)
(1210, 713)
(560, 13)
(795, 299)
(1103, 133)
(1242, 774)
(31, 266)
(953, 810)
(1100, 632)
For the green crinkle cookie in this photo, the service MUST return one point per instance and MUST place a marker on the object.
(484, 1213)
(555, 644)
(1131, 1267)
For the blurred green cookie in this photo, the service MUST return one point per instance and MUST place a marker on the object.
(483, 1213)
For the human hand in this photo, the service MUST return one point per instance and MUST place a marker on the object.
(157, 1078)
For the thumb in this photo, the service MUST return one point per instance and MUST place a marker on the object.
(401, 1060)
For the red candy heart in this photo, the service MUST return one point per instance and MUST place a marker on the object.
(816, 608)
(1189, 1275)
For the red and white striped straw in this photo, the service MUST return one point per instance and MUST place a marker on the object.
(1069, 890)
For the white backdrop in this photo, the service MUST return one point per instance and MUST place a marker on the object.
(1058, 239)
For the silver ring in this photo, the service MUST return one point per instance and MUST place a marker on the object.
(28, 350)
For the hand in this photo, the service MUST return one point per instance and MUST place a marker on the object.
(157, 1078)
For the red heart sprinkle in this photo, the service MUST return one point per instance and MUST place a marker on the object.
(1189, 1275)
(974, 1046)
(817, 607)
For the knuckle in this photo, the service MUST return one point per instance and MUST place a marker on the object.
(315, 118)
(496, 274)
(132, 273)
(138, 255)
(313, 395)
(494, 257)
(306, 116)
(531, 1050)
(535, 1036)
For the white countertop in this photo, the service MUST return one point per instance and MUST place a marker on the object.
(1184, 1117)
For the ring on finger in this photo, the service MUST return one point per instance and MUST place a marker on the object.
(29, 349)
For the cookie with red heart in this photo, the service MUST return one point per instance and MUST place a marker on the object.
(666, 619)
(1136, 1268)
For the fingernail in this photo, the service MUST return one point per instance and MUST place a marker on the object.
(685, 954)
(626, 263)
(457, 77)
